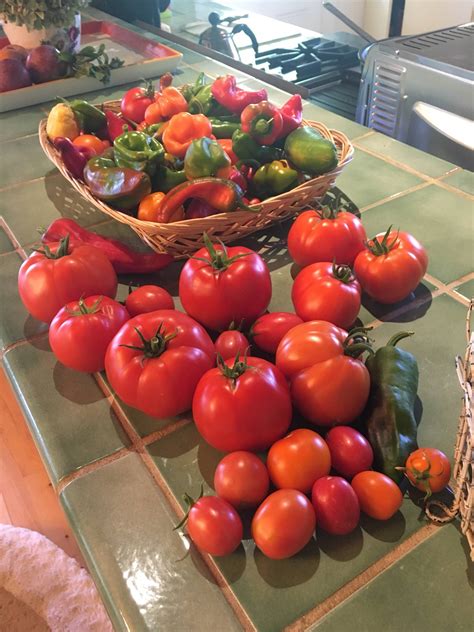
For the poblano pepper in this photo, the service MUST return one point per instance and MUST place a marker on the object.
(205, 157)
(249, 151)
(389, 416)
(89, 117)
(138, 151)
(274, 178)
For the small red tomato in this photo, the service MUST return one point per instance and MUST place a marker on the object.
(269, 329)
(327, 291)
(428, 469)
(231, 343)
(336, 505)
(91, 143)
(351, 453)
(283, 524)
(82, 330)
(214, 526)
(241, 479)
(379, 497)
(299, 459)
(148, 298)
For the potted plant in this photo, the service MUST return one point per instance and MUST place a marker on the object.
(30, 23)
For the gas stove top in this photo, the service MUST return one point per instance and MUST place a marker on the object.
(329, 70)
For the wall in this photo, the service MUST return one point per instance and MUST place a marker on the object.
(422, 16)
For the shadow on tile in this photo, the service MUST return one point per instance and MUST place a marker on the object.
(292, 571)
(70, 384)
(414, 306)
(384, 530)
(68, 202)
(341, 548)
(33, 327)
(208, 458)
(233, 566)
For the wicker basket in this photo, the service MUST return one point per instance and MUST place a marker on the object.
(182, 238)
(463, 472)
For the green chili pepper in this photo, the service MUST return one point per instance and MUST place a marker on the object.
(389, 418)
(137, 150)
(89, 117)
(166, 178)
(244, 146)
(205, 157)
(189, 90)
(224, 128)
(274, 178)
(308, 151)
(122, 188)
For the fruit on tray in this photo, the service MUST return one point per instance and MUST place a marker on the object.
(44, 64)
(13, 74)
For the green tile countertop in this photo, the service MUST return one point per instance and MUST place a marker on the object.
(120, 474)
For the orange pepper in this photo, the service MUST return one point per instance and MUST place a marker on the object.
(226, 144)
(167, 103)
(182, 129)
(149, 209)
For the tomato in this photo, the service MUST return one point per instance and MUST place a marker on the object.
(269, 329)
(336, 505)
(379, 497)
(326, 236)
(156, 360)
(326, 291)
(81, 331)
(148, 298)
(351, 453)
(46, 282)
(214, 526)
(234, 286)
(328, 386)
(283, 524)
(241, 479)
(135, 101)
(428, 469)
(299, 459)
(242, 405)
(391, 267)
(231, 343)
(91, 142)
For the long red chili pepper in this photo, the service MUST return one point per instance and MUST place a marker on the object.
(74, 158)
(123, 259)
(115, 125)
(225, 91)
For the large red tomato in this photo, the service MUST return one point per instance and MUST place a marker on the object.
(135, 101)
(327, 291)
(81, 331)
(269, 329)
(391, 266)
(326, 235)
(221, 285)
(62, 273)
(214, 526)
(242, 479)
(299, 459)
(156, 360)
(242, 405)
(328, 386)
(336, 505)
(283, 524)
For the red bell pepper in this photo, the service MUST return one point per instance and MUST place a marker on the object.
(123, 259)
(225, 91)
(263, 121)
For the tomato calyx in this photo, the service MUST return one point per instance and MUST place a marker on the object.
(236, 370)
(420, 473)
(61, 251)
(148, 90)
(218, 259)
(384, 246)
(189, 502)
(342, 272)
(357, 342)
(156, 345)
(84, 309)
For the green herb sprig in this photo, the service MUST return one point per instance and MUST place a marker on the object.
(91, 62)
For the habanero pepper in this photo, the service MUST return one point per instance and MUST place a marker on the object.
(262, 121)
(223, 195)
(226, 144)
(123, 259)
(388, 417)
(167, 103)
(205, 157)
(182, 129)
(225, 91)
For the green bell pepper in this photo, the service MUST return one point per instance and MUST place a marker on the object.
(222, 128)
(308, 151)
(138, 151)
(166, 178)
(249, 151)
(205, 157)
(121, 188)
(388, 417)
(274, 178)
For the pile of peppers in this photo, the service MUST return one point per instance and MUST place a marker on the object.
(207, 147)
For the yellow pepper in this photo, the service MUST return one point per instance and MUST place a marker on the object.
(62, 122)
